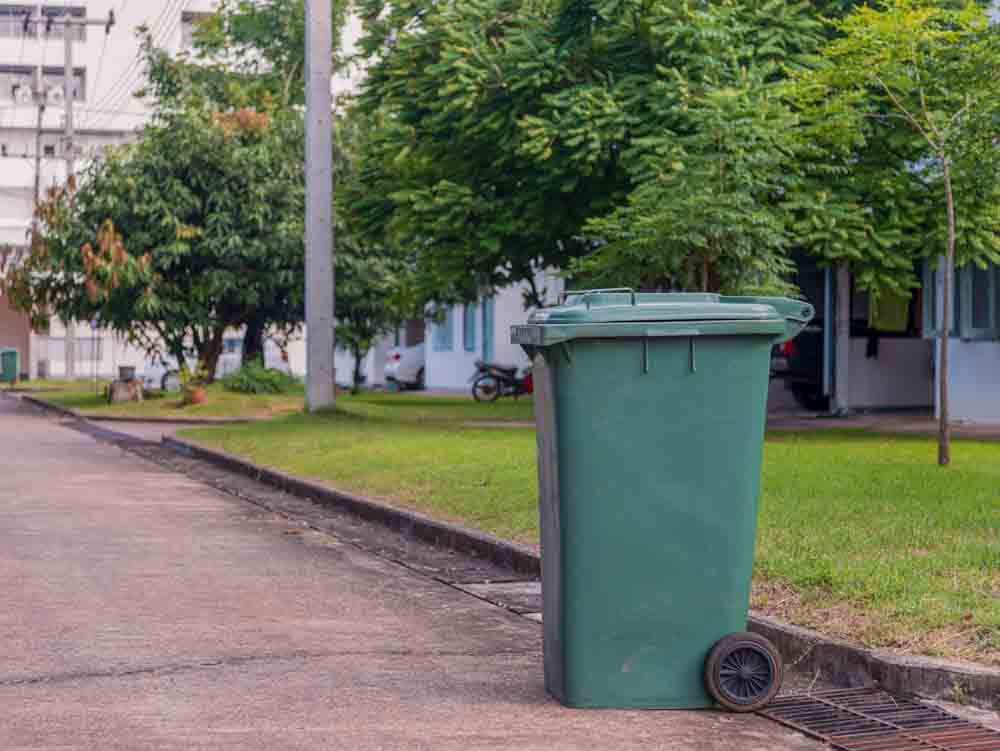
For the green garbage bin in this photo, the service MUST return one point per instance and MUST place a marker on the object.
(9, 365)
(650, 411)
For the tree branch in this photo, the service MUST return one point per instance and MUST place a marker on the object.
(902, 108)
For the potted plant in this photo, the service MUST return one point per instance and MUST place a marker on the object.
(193, 385)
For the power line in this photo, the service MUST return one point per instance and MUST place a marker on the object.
(100, 68)
(127, 79)
(167, 29)
(135, 113)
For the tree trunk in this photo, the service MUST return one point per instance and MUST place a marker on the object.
(944, 417)
(209, 353)
(253, 340)
(359, 356)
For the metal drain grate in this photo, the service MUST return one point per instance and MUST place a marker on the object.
(869, 719)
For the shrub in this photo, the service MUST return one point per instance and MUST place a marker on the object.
(254, 378)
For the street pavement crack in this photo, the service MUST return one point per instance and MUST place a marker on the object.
(240, 661)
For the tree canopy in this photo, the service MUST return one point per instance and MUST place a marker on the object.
(925, 76)
(175, 239)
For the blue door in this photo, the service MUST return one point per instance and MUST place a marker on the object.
(488, 329)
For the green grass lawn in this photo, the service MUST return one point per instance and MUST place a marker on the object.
(414, 407)
(862, 536)
(56, 384)
(221, 403)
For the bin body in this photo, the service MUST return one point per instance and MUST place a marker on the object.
(9, 365)
(650, 437)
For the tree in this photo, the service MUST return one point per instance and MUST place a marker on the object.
(246, 55)
(179, 237)
(369, 300)
(928, 74)
(375, 291)
(510, 136)
(262, 44)
(716, 167)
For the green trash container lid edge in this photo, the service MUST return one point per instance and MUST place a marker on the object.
(627, 314)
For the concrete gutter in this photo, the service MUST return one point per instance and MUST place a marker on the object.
(444, 534)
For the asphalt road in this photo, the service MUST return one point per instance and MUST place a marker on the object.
(140, 609)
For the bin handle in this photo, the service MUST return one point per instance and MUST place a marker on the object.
(796, 313)
(588, 292)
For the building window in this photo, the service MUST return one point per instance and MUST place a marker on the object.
(976, 302)
(443, 337)
(469, 328)
(77, 31)
(52, 85)
(189, 25)
(12, 21)
(15, 84)
(980, 317)
(932, 307)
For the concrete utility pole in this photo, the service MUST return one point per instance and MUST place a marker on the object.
(68, 24)
(320, 391)
(39, 94)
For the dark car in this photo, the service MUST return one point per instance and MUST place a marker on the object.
(803, 368)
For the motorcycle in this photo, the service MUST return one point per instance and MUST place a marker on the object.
(491, 381)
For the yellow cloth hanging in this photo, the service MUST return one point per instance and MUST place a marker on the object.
(890, 312)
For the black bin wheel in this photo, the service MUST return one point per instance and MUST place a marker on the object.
(743, 672)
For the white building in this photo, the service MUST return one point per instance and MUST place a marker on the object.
(464, 334)
(107, 71)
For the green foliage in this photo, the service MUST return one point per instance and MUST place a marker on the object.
(645, 138)
(908, 87)
(254, 378)
(177, 238)
(248, 53)
(374, 290)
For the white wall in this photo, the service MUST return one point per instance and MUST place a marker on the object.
(373, 365)
(901, 376)
(451, 370)
(975, 381)
(108, 113)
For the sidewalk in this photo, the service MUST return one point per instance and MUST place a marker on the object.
(154, 612)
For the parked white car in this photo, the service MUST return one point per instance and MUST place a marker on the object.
(405, 366)
(161, 376)
(165, 373)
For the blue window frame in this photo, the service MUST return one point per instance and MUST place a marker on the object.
(976, 308)
(932, 317)
(469, 328)
(443, 336)
(488, 311)
(980, 314)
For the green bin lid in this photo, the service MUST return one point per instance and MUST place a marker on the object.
(625, 313)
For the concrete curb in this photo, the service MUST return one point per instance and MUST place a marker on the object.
(846, 664)
(174, 420)
(50, 407)
(836, 661)
(502, 552)
(67, 412)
